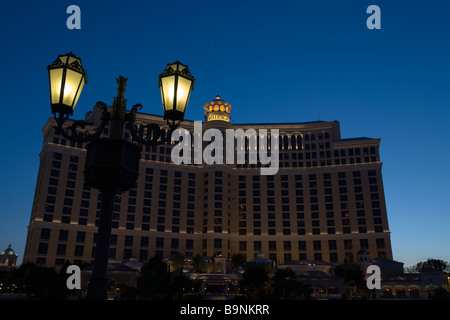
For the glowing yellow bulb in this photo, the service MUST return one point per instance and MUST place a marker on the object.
(181, 93)
(68, 89)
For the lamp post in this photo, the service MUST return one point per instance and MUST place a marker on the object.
(112, 164)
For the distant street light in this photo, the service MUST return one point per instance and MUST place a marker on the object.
(112, 164)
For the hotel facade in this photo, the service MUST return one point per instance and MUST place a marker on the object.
(326, 202)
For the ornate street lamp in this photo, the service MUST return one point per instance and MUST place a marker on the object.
(112, 164)
(176, 83)
(67, 79)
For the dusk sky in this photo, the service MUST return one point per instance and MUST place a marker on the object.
(274, 61)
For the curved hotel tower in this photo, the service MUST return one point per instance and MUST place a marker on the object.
(326, 202)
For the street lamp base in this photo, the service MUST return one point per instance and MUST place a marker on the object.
(97, 289)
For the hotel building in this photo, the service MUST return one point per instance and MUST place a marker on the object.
(325, 203)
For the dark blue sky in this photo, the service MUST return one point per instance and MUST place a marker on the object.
(274, 61)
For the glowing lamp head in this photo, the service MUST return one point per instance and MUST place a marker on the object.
(176, 83)
(67, 79)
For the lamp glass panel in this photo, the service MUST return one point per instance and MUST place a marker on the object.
(55, 84)
(184, 86)
(73, 80)
(79, 93)
(63, 58)
(167, 91)
(174, 66)
(72, 59)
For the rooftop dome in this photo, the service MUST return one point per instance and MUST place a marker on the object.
(260, 258)
(134, 263)
(9, 251)
(217, 109)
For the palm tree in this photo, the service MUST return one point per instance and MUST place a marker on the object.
(285, 284)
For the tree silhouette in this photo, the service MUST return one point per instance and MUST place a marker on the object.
(39, 283)
(196, 262)
(177, 261)
(353, 277)
(286, 284)
(154, 280)
(179, 285)
(238, 260)
(436, 264)
(254, 280)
